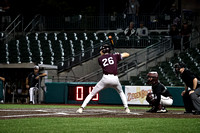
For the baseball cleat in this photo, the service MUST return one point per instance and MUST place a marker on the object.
(196, 113)
(152, 110)
(80, 110)
(162, 110)
(127, 110)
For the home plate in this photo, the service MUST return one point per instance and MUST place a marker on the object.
(61, 113)
(135, 113)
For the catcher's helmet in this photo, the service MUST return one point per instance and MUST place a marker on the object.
(154, 76)
(178, 66)
(105, 48)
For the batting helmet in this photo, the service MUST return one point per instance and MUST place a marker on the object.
(105, 48)
(154, 76)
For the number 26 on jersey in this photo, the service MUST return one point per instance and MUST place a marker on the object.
(108, 61)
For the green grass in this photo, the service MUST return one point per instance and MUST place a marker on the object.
(100, 125)
(94, 124)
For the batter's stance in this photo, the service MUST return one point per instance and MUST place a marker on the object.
(108, 62)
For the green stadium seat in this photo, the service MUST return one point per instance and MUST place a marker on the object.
(3, 54)
(102, 36)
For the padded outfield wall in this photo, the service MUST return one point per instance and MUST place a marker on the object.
(75, 93)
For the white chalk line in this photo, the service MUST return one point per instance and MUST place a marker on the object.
(66, 112)
(28, 115)
(112, 111)
(23, 110)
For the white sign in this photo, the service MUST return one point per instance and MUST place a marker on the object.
(137, 94)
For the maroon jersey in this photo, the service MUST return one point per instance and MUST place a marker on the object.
(108, 62)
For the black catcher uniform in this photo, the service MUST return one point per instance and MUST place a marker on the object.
(160, 96)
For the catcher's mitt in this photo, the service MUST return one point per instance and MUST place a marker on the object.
(150, 98)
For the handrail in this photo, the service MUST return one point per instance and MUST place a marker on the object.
(12, 22)
(36, 20)
(156, 50)
(89, 54)
(77, 59)
(147, 54)
(12, 29)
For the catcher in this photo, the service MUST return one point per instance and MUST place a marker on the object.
(160, 96)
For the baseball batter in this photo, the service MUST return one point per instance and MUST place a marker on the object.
(108, 62)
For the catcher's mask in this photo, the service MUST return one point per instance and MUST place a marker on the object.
(105, 48)
(152, 78)
(177, 67)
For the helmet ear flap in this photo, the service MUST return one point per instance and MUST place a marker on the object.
(104, 51)
(105, 48)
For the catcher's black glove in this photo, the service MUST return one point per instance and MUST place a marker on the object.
(150, 98)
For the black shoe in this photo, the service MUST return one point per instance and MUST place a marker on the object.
(152, 110)
(188, 112)
(196, 113)
(30, 102)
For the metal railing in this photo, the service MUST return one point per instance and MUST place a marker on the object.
(92, 52)
(10, 31)
(32, 24)
(80, 22)
(134, 60)
(79, 58)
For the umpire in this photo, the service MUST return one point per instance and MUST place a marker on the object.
(192, 87)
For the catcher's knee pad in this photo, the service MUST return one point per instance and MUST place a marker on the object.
(150, 98)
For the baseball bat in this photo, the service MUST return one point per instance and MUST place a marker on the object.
(111, 42)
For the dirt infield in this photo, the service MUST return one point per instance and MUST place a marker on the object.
(71, 112)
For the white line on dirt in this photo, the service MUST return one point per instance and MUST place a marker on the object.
(51, 112)
(23, 110)
(28, 115)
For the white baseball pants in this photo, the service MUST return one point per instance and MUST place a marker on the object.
(107, 81)
(31, 93)
(166, 101)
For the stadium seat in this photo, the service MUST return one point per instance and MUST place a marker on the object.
(164, 33)
(3, 54)
(62, 36)
(121, 35)
(154, 33)
(91, 36)
(42, 36)
(13, 53)
(72, 36)
(102, 36)
(82, 36)
(52, 36)
(144, 41)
